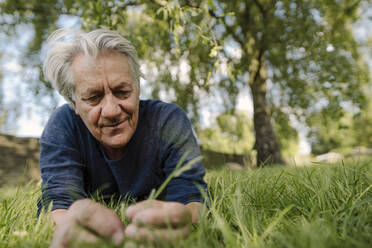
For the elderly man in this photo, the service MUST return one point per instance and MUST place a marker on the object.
(108, 142)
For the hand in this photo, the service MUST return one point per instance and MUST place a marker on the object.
(154, 220)
(86, 221)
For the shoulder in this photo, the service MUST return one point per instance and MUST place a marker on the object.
(166, 120)
(159, 107)
(162, 111)
(61, 122)
(65, 110)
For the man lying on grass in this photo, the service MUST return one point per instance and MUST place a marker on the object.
(109, 141)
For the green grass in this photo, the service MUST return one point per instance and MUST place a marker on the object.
(282, 206)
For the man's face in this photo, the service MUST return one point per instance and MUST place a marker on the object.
(107, 99)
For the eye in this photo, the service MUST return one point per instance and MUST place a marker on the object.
(122, 94)
(93, 100)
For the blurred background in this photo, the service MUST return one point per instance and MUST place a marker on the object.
(263, 81)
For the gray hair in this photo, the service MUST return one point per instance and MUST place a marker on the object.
(65, 44)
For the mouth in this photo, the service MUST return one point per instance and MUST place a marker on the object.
(117, 124)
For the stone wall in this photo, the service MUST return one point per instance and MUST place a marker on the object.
(19, 160)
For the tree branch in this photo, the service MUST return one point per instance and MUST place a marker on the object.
(259, 59)
(228, 28)
(352, 6)
(41, 11)
(8, 24)
(260, 6)
(35, 10)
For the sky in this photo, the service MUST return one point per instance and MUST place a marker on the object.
(32, 118)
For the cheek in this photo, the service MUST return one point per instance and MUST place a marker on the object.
(131, 106)
(90, 115)
(94, 115)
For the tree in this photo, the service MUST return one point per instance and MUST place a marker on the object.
(296, 56)
(231, 134)
(327, 135)
(38, 17)
(3, 112)
(352, 130)
(234, 134)
(287, 135)
(362, 126)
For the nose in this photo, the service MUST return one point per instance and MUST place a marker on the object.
(110, 107)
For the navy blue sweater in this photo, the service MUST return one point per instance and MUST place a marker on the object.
(73, 163)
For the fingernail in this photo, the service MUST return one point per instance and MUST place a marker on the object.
(118, 237)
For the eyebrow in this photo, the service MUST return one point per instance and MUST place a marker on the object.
(123, 85)
(95, 90)
(90, 91)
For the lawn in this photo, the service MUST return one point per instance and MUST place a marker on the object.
(282, 206)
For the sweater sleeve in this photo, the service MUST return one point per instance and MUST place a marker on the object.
(178, 138)
(61, 164)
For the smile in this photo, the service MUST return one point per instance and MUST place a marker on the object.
(116, 125)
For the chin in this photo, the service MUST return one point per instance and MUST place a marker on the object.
(117, 142)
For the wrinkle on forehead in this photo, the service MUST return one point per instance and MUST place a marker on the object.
(91, 70)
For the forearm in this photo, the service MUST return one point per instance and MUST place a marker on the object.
(197, 209)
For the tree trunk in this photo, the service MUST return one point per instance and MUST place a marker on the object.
(268, 150)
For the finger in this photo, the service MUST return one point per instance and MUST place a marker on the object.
(69, 233)
(79, 234)
(134, 209)
(98, 219)
(172, 214)
(60, 232)
(155, 235)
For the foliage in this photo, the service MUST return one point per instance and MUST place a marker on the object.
(352, 130)
(362, 126)
(287, 135)
(302, 52)
(316, 206)
(327, 135)
(3, 112)
(232, 134)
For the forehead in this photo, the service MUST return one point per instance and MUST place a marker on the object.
(112, 67)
